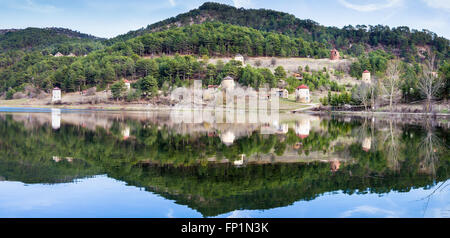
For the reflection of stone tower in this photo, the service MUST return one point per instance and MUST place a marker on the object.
(56, 118)
(302, 128)
(335, 165)
(367, 143)
(228, 138)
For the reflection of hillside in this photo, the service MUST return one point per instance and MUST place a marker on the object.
(219, 167)
(219, 189)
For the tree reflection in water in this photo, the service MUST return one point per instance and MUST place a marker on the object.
(194, 165)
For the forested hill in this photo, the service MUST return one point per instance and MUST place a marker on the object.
(401, 40)
(43, 38)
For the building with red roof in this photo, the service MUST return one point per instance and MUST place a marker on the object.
(366, 76)
(302, 94)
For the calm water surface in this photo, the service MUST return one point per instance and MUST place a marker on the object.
(73, 163)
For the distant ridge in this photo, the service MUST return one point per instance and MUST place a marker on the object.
(38, 38)
(401, 41)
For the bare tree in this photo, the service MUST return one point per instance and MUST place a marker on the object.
(429, 84)
(390, 85)
(430, 148)
(392, 146)
(374, 91)
(362, 94)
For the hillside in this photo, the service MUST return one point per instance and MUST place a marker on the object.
(171, 53)
(402, 41)
(42, 38)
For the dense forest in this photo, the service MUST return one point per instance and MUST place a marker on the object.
(401, 40)
(49, 40)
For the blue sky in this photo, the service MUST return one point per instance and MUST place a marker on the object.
(108, 18)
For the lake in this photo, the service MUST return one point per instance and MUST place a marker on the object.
(81, 163)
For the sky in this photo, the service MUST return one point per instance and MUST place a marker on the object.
(109, 18)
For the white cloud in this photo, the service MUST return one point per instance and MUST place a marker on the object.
(32, 6)
(242, 3)
(172, 3)
(170, 213)
(239, 214)
(369, 211)
(439, 4)
(370, 7)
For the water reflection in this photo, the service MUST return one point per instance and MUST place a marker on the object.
(215, 167)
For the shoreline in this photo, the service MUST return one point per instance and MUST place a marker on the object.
(286, 107)
(142, 107)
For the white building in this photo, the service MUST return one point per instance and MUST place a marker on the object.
(283, 93)
(56, 95)
(239, 58)
(302, 94)
(58, 54)
(366, 76)
(127, 84)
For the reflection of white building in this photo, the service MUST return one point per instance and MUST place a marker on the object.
(280, 128)
(59, 159)
(302, 128)
(367, 143)
(240, 162)
(228, 83)
(302, 94)
(56, 95)
(209, 94)
(228, 138)
(126, 132)
(283, 128)
(56, 118)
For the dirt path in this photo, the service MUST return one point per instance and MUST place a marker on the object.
(306, 108)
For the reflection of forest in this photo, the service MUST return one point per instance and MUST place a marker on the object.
(273, 164)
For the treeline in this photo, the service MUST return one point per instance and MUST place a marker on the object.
(401, 40)
(41, 38)
(218, 39)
